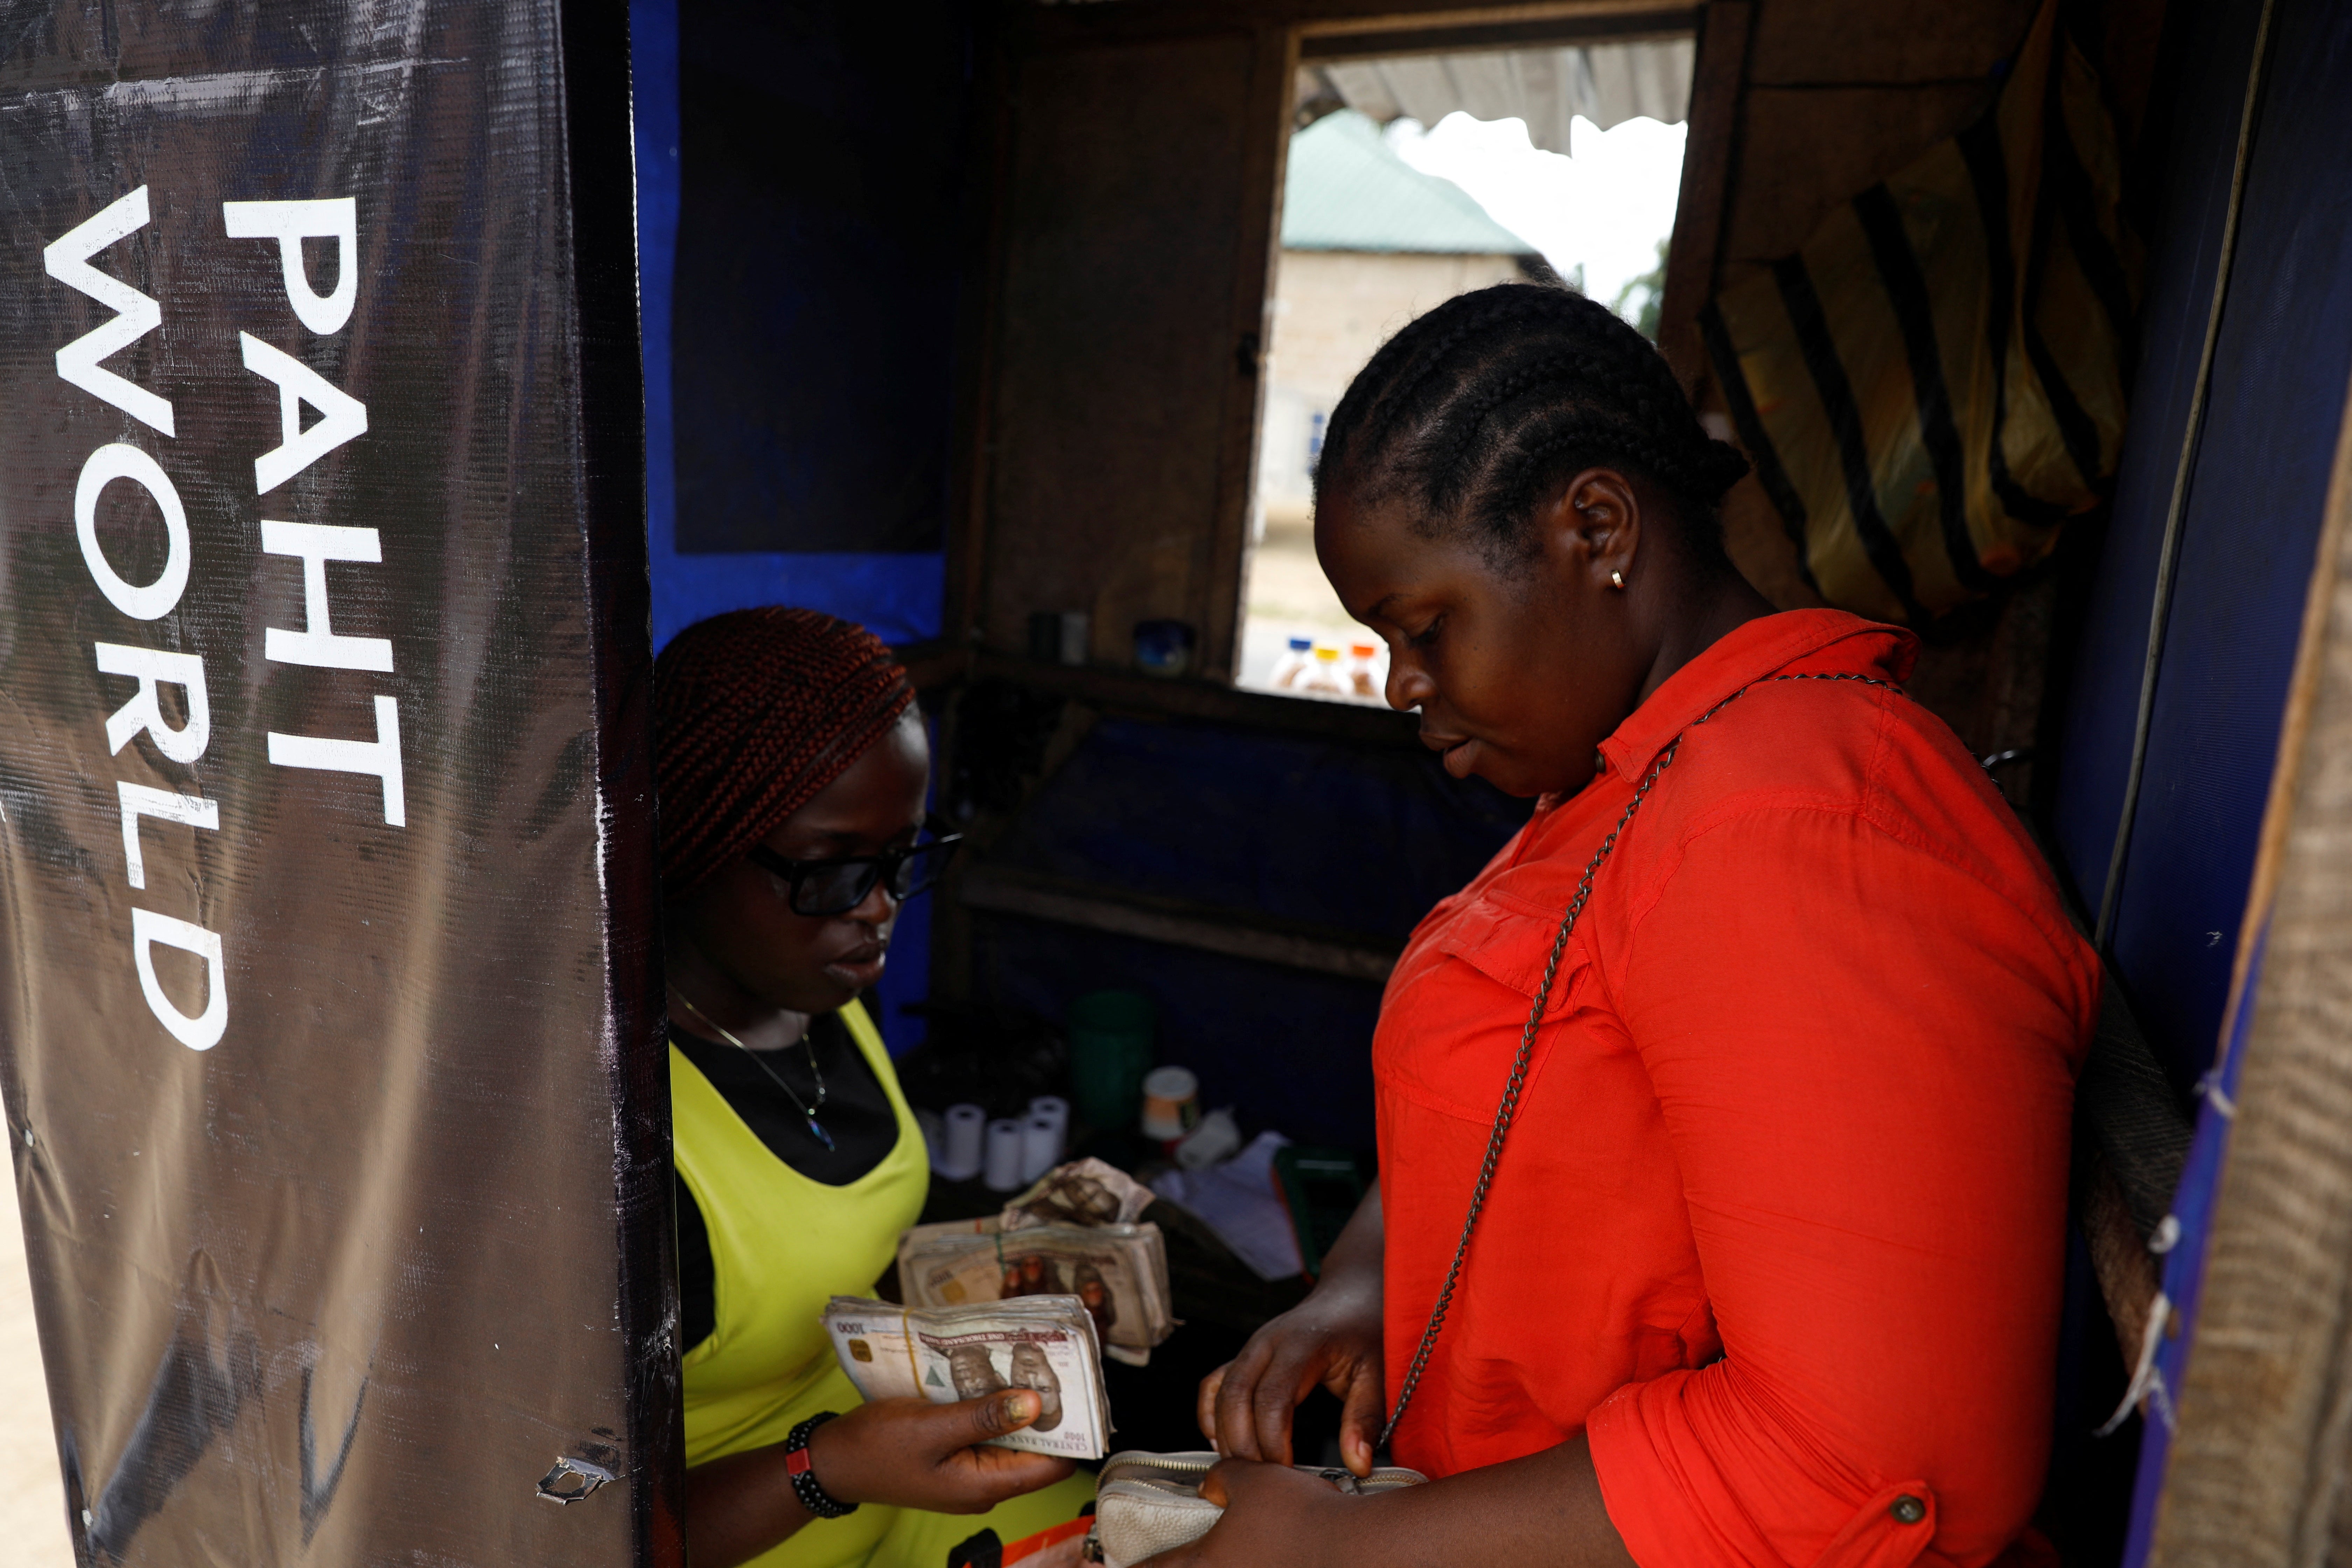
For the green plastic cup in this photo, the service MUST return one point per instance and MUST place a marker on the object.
(1111, 1037)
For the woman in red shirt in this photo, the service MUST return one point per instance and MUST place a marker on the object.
(1770, 1269)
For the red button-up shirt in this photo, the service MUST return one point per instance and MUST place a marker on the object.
(1780, 1221)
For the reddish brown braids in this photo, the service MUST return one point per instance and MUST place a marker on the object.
(754, 711)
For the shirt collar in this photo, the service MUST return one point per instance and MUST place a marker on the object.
(1815, 641)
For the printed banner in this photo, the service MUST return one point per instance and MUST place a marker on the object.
(328, 998)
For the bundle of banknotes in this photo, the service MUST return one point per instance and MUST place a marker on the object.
(1044, 1343)
(1074, 1234)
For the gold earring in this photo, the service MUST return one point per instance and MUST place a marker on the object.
(1617, 581)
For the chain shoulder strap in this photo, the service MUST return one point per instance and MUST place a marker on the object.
(1519, 1079)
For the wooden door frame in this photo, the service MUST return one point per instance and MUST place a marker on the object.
(1710, 174)
(1282, 36)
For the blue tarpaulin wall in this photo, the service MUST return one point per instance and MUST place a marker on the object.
(2184, 1272)
(2251, 524)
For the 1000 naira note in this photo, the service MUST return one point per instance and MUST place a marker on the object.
(1042, 1342)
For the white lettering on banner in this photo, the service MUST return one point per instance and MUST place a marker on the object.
(67, 259)
(340, 415)
(161, 598)
(185, 670)
(315, 545)
(379, 757)
(291, 222)
(138, 800)
(340, 418)
(204, 1031)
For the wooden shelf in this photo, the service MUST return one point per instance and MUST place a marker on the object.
(933, 665)
(1179, 922)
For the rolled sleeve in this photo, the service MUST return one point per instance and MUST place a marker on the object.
(1864, 1051)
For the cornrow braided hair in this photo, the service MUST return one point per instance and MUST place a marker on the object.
(1476, 410)
(754, 711)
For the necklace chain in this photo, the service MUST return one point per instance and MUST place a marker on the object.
(1519, 1079)
(808, 1038)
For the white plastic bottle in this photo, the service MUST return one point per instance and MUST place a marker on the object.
(1292, 664)
(1324, 678)
(1363, 681)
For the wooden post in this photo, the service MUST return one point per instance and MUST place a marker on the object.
(1710, 158)
(1217, 610)
(2259, 1460)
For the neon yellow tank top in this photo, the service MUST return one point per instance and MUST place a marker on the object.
(782, 1244)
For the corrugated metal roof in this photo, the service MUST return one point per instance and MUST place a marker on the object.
(1545, 88)
(1347, 191)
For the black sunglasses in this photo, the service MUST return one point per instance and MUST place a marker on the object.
(835, 886)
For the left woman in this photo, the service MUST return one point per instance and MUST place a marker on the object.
(792, 770)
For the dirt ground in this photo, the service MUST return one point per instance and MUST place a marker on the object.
(1288, 596)
(32, 1497)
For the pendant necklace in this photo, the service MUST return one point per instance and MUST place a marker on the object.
(808, 1112)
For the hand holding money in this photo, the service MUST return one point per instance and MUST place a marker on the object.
(944, 1458)
(1040, 1346)
(907, 1453)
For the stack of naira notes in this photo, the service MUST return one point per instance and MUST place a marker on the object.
(943, 1354)
(1075, 1233)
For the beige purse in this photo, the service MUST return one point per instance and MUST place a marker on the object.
(1147, 1503)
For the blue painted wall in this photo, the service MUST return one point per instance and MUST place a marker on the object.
(898, 593)
(895, 593)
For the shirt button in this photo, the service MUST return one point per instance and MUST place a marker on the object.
(1908, 1510)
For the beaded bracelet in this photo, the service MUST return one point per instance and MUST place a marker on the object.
(814, 1497)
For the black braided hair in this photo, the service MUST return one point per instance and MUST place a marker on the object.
(1476, 410)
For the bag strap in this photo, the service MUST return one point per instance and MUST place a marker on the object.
(1519, 1079)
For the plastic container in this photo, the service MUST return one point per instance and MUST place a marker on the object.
(1046, 635)
(1163, 647)
(1362, 679)
(1217, 1138)
(1111, 1038)
(1323, 677)
(1172, 1103)
(1292, 663)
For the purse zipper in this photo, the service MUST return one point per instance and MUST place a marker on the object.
(1346, 1480)
(1157, 1462)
